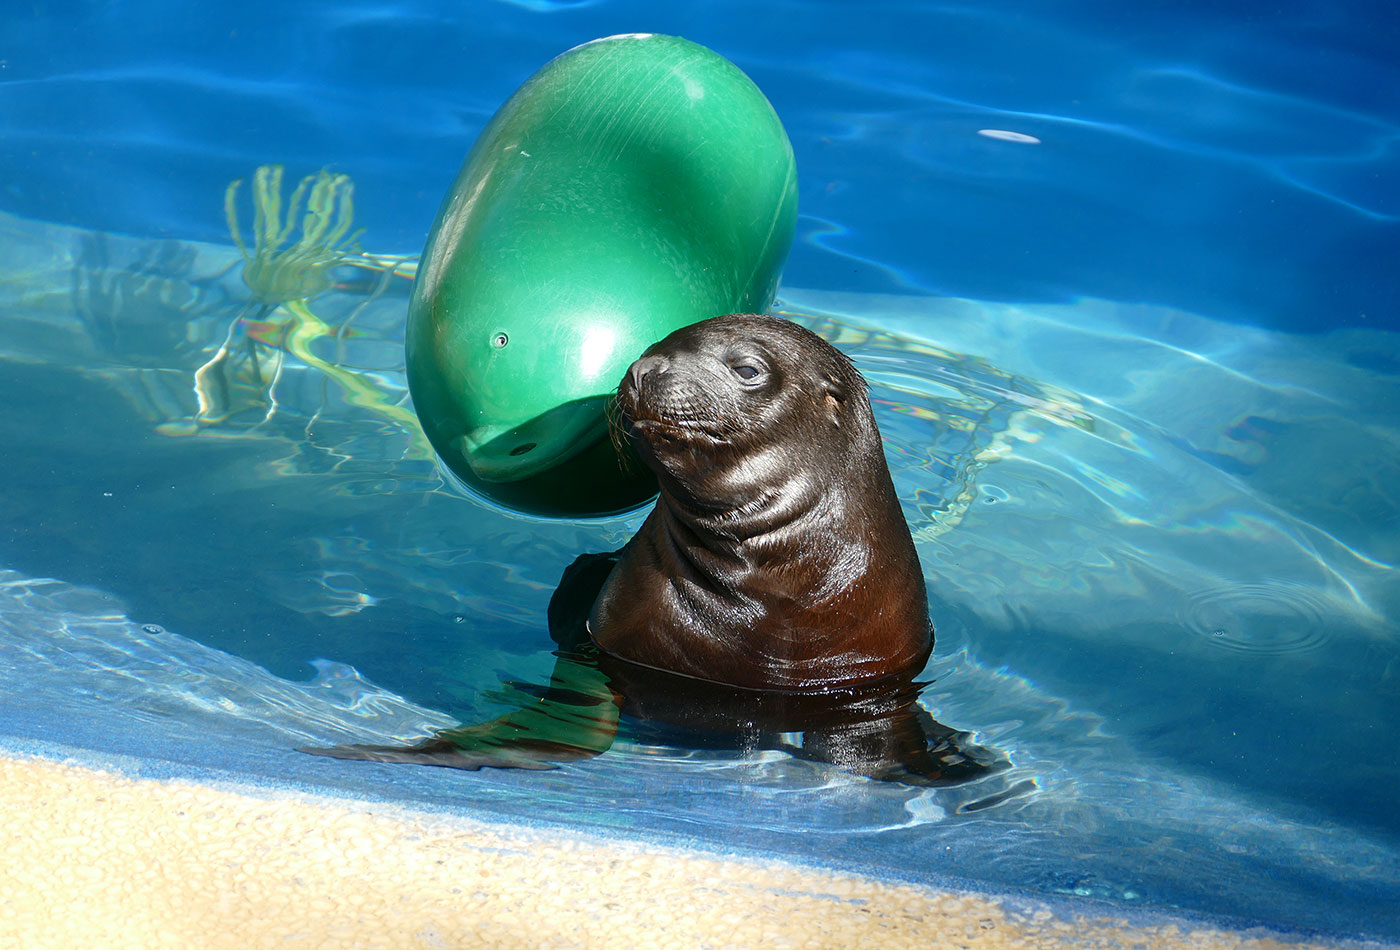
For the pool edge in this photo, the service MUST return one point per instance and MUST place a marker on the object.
(138, 861)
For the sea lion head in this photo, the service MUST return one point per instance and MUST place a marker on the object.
(737, 409)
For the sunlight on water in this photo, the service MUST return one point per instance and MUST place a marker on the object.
(1127, 517)
(75, 650)
(1161, 542)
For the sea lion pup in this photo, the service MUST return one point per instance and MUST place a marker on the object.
(772, 599)
(777, 556)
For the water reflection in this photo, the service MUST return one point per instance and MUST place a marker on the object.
(1159, 550)
(877, 730)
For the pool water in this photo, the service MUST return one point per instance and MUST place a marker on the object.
(1136, 366)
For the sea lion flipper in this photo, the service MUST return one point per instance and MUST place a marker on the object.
(499, 744)
(574, 718)
(435, 751)
(889, 737)
(573, 599)
(947, 757)
(937, 771)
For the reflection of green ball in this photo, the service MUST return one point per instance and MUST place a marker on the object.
(634, 185)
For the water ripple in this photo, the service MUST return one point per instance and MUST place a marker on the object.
(1113, 504)
(1269, 619)
(69, 645)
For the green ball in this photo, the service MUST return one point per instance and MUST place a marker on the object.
(634, 185)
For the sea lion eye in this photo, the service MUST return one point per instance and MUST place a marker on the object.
(750, 367)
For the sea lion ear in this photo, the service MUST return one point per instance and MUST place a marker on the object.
(835, 393)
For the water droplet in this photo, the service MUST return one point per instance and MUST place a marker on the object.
(152, 628)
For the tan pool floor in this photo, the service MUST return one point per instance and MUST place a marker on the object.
(97, 860)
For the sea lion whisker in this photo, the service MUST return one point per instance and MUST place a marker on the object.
(619, 426)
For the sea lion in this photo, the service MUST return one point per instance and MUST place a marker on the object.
(777, 556)
(773, 595)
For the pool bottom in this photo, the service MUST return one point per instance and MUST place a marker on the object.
(97, 858)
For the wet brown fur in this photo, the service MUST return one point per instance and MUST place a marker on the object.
(777, 556)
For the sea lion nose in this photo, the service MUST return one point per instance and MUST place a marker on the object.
(647, 364)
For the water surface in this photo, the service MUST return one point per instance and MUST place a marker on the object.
(1136, 365)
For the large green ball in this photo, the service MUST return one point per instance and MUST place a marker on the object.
(634, 185)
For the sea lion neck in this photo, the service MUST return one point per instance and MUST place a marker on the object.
(763, 516)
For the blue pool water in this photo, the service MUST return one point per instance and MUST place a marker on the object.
(1138, 381)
